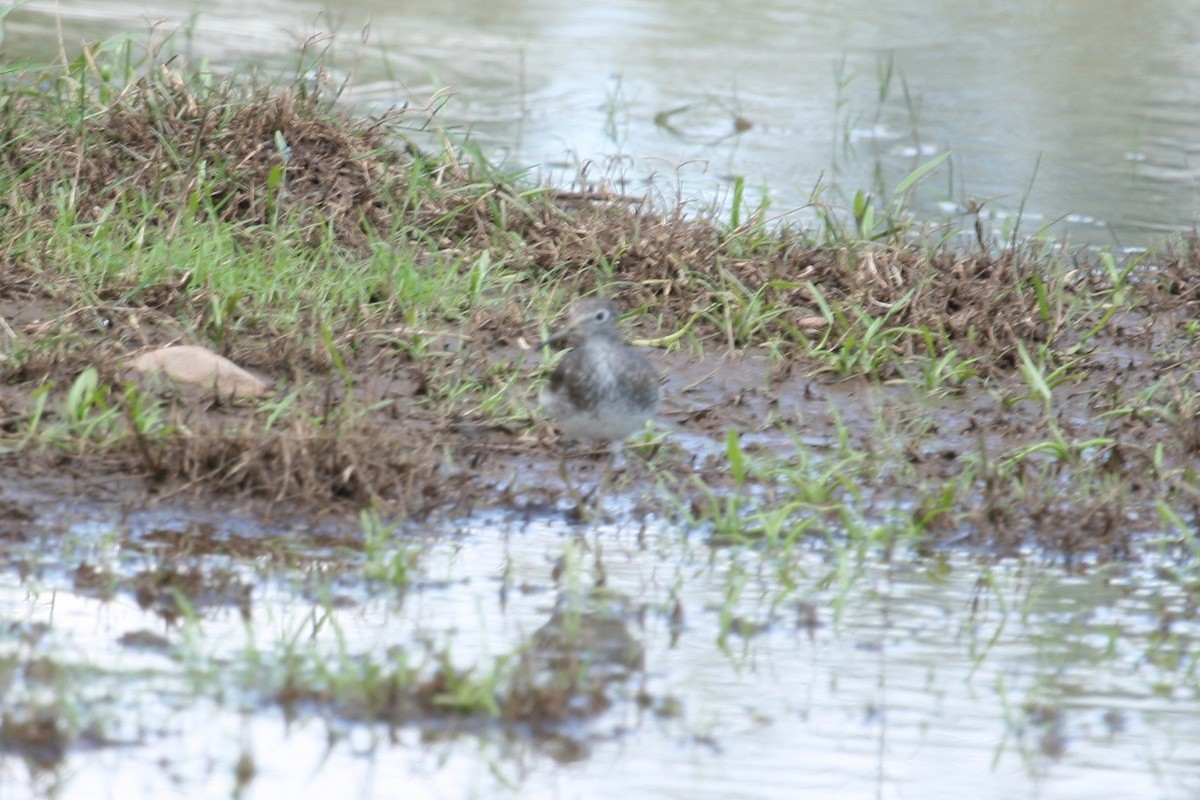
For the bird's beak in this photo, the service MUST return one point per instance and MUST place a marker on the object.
(556, 337)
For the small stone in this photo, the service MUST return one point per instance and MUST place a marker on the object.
(198, 366)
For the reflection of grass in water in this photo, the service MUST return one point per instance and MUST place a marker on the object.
(308, 662)
(1069, 672)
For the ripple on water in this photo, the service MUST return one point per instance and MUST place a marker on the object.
(758, 674)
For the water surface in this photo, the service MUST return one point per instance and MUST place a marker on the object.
(1081, 114)
(816, 672)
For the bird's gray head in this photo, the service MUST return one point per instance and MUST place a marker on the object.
(587, 318)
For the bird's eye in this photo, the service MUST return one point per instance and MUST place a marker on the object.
(602, 315)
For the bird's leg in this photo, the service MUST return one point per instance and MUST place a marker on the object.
(582, 511)
(585, 504)
(588, 505)
(565, 474)
(616, 456)
(616, 463)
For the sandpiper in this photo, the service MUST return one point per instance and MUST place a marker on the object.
(603, 389)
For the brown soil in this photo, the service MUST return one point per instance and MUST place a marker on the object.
(403, 452)
(412, 462)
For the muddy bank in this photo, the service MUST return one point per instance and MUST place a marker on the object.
(944, 387)
(404, 458)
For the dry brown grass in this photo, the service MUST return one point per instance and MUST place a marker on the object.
(161, 142)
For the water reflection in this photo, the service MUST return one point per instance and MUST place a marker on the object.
(1082, 113)
(815, 672)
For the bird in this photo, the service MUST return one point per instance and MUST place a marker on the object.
(603, 389)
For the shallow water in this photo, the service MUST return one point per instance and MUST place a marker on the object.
(836, 673)
(1077, 115)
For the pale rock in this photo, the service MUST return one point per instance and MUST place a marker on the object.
(200, 367)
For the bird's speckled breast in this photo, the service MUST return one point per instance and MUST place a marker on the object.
(602, 389)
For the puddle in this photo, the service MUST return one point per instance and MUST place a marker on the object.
(719, 672)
